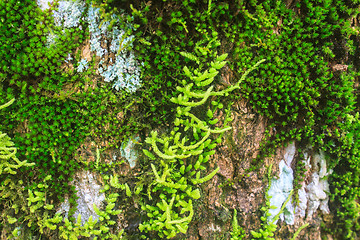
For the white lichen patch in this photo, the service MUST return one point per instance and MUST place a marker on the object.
(279, 191)
(123, 71)
(290, 151)
(88, 191)
(312, 196)
(318, 188)
(83, 64)
(69, 13)
(129, 152)
(117, 64)
(280, 188)
(44, 4)
(301, 208)
(93, 18)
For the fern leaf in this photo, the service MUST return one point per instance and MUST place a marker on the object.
(221, 57)
(149, 154)
(187, 72)
(190, 56)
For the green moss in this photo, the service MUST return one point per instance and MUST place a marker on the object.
(297, 89)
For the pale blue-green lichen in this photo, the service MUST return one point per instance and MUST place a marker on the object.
(123, 70)
(129, 152)
(280, 188)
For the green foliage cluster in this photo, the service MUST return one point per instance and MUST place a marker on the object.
(305, 97)
(15, 198)
(31, 208)
(161, 35)
(31, 66)
(25, 53)
(181, 157)
(345, 180)
(37, 215)
(9, 162)
(98, 229)
(238, 232)
(297, 89)
(55, 111)
(26, 208)
(54, 128)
